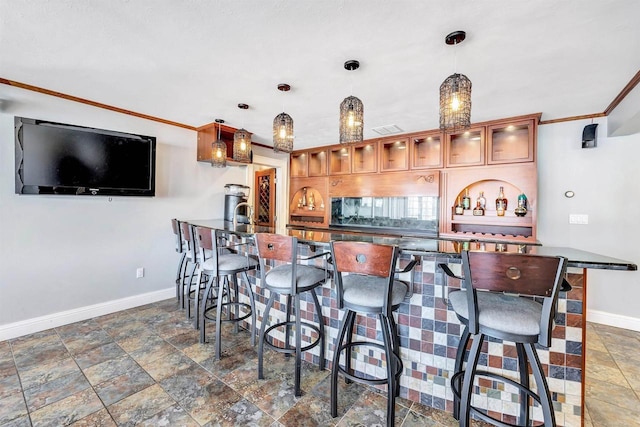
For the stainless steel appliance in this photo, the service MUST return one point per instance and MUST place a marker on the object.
(235, 194)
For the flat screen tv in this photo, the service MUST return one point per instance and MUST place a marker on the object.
(57, 158)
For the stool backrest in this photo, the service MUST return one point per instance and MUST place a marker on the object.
(363, 258)
(277, 247)
(522, 274)
(175, 225)
(187, 236)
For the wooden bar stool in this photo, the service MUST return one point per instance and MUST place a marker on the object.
(365, 283)
(490, 305)
(224, 263)
(289, 278)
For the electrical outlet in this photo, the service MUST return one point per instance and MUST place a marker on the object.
(140, 273)
(580, 219)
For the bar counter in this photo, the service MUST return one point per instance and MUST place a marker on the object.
(430, 332)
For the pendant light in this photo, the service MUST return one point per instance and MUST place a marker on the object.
(283, 128)
(242, 142)
(455, 95)
(351, 113)
(219, 150)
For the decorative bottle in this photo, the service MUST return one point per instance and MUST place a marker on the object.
(501, 203)
(478, 210)
(521, 210)
(466, 200)
(482, 200)
(459, 209)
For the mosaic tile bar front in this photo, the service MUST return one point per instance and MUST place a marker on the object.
(429, 336)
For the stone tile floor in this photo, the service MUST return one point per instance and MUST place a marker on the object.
(144, 366)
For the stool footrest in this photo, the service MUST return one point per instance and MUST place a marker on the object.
(456, 379)
(291, 350)
(235, 319)
(370, 381)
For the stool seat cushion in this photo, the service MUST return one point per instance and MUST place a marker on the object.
(369, 291)
(230, 262)
(507, 313)
(307, 276)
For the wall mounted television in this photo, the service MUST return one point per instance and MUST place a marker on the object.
(57, 158)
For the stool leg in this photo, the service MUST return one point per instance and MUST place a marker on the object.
(252, 303)
(395, 339)
(336, 361)
(236, 298)
(523, 367)
(287, 328)
(203, 308)
(261, 338)
(467, 385)
(298, 337)
(221, 294)
(462, 348)
(391, 375)
(181, 266)
(543, 387)
(321, 327)
(196, 300)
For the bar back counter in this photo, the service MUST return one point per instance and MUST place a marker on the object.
(430, 332)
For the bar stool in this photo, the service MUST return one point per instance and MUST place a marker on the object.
(175, 225)
(224, 263)
(365, 283)
(291, 279)
(490, 305)
(186, 293)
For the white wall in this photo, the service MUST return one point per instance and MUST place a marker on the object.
(606, 182)
(61, 253)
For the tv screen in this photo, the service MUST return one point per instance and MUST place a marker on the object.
(56, 158)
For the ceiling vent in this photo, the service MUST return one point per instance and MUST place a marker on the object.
(387, 130)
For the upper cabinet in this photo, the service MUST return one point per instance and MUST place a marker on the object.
(318, 163)
(340, 160)
(365, 158)
(511, 143)
(299, 165)
(208, 135)
(465, 148)
(394, 155)
(426, 151)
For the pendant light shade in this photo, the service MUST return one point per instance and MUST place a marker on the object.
(242, 142)
(455, 95)
(283, 133)
(351, 114)
(219, 150)
(283, 128)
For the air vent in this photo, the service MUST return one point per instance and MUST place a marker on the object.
(387, 130)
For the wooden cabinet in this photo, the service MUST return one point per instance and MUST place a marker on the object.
(318, 163)
(489, 155)
(512, 142)
(426, 151)
(207, 135)
(299, 165)
(309, 204)
(365, 158)
(339, 160)
(465, 148)
(394, 155)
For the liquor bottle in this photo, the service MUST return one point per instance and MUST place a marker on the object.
(466, 200)
(459, 209)
(478, 210)
(521, 210)
(482, 200)
(501, 203)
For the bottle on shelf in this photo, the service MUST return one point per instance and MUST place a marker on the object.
(478, 210)
(311, 201)
(482, 200)
(304, 196)
(521, 210)
(459, 209)
(501, 203)
(466, 200)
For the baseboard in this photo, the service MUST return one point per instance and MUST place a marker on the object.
(610, 319)
(29, 326)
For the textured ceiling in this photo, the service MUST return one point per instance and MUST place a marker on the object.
(192, 61)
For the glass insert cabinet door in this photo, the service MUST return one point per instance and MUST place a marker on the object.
(415, 213)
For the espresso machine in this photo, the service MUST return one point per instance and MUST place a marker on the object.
(235, 194)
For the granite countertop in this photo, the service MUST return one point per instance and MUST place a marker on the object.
(428, 245)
